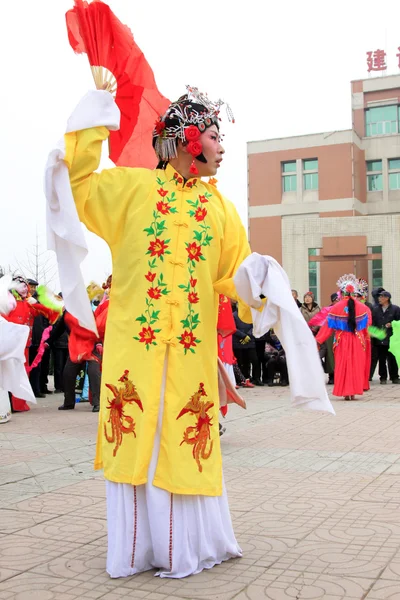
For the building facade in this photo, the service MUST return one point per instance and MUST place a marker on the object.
(327, 204)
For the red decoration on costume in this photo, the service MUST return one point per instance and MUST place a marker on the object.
(100, 315)
(225, 327)
(195, 148)
(193, 169)
(41, 349)
(226, 323)
(192, 133)
(159, 126)
(81, 341)
(94, 29)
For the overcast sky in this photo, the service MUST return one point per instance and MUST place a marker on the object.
(284, 67)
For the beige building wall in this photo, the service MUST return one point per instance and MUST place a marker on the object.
(302, 232)
(288, 224)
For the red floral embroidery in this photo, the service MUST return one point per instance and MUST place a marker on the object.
(154, 292)
(187, 339)
(194, 251)
(163, 208)
(193, 298)
(199, 434)
(176, 178)
(191, 183)
(147, 335)
(157, 248)
(200, 214)
(151, 276)
(120, 423)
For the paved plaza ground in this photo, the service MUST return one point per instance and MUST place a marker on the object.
(315, 501)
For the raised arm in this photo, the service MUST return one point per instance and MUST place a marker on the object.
(101, 198)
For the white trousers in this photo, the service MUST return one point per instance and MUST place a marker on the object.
(150, 528)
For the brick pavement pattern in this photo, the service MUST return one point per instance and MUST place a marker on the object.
(315, 501)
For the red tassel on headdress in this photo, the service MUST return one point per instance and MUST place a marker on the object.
(193, 169)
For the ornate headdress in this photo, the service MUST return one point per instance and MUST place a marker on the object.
(348, 285)
(185, 120)
(362, 287)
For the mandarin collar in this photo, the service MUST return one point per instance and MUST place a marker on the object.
(176, 179)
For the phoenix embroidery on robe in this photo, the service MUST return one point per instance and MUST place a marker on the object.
(199, 435)
(119, 422)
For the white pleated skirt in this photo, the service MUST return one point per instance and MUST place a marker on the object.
(150, 528)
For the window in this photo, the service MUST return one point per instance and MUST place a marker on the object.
(394, 173)
(377, 278)
(289, 177)
(382, 120)
(310, 174)
(313, 273)
(374, 176)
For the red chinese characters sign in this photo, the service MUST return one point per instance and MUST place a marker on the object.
(376, 60)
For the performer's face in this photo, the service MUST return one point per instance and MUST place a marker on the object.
(212, 150)
(22, 288)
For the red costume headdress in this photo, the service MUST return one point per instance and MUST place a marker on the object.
(348, 285)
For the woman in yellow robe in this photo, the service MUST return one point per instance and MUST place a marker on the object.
(176, 244)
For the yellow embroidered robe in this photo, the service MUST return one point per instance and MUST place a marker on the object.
(175, 247)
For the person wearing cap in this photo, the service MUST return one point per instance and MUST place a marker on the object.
(382, 316)
(32, 286)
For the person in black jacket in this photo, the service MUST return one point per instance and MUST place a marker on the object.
(275, 360)
(375, 294)
(244, 348)
(39, 325)
(382, 316)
